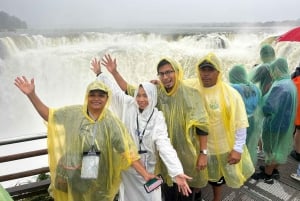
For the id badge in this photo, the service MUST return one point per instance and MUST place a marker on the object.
(90, 165)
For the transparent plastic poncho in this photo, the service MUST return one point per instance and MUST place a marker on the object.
(70, 131)
(251, 95)
(223, 123)
(184, 110)
(279, 108)
(260, 74)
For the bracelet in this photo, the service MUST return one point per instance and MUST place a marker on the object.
(98, 74)
(204, 151)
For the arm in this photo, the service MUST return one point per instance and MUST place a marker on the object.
(137, 165)
(202, 158)
(28, 88)
(169, 156)
(111, 66)
(240, 140)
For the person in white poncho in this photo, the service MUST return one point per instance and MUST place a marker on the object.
(149, 131)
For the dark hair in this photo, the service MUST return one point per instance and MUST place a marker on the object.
(296, 73)
(162, 63)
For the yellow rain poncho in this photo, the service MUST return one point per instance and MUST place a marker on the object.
(227, 114)
(184, 111)
(70, 133)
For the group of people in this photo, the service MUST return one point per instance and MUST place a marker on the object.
(192, 132)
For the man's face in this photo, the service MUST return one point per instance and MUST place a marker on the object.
(209, 76)
(167, 76)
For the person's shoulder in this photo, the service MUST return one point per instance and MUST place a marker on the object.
(71, 108)
(233, 92)
(159, 114)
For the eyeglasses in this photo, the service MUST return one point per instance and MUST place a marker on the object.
(167, 73)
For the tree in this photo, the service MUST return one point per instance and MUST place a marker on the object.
(8, 22)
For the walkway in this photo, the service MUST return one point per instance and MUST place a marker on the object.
(284, 189)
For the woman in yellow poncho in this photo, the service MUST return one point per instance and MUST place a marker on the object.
(88, 146)
(228, 158)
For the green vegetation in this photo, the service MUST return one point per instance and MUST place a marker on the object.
(42, 196)
(10, 23)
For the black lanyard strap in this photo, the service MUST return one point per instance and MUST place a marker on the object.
(141, 134)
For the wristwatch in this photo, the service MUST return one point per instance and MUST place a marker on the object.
(204, 151)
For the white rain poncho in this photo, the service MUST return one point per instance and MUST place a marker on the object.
(70, 133)
(227, 114)
(252, 97)
(153, 133)
(279, 108)
(184, 111)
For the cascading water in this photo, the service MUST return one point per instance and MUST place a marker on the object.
(60, 62)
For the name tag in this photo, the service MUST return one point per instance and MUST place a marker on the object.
(90, 165)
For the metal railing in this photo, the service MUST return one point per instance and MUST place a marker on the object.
(29, 189)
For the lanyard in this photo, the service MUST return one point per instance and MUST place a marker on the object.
(141, 134)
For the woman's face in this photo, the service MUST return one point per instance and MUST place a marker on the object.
(142, 98)
(97, 100)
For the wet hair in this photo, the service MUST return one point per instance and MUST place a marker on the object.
(162, 63)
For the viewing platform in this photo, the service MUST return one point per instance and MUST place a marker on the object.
(284, 189)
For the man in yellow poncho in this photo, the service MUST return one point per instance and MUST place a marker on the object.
(187, 123)
(88, 146)
(228, 158)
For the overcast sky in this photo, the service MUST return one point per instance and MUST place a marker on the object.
(99, 13)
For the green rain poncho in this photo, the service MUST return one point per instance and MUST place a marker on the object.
(70, 133)
(260, 73)
(279, 106)
(4, 195)
(184, 111)
(227, 114)
(251, 96)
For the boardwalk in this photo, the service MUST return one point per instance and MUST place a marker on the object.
(284, 189)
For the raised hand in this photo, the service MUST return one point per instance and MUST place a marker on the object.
(24, 85)
(109, 63)
(28, 88)
(96, 67)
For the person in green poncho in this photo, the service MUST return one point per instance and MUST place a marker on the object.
(4, 195)
(251, 95)
(260, 74)
(187, 124)
(88, 146)
(279, 108)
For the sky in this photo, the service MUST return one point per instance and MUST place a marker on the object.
(122, 13)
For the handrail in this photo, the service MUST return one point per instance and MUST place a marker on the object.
(23, 139)
(23, 155)
(29, 189)
(24, 174)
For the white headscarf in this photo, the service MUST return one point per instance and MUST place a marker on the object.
(151, 92)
